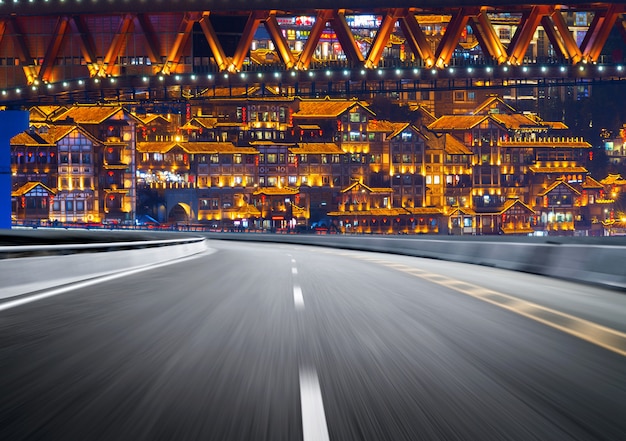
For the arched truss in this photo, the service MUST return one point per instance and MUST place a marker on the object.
(54, 48)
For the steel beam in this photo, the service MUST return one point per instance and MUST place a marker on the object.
(58, 38)
(382, 38)
(118, 42)
(271, 24)
(176, 51)
(346, 38)
(451, 38)
(254, 20)
(416, 39)
(304, 61)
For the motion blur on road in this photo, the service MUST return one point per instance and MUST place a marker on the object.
(283, 342)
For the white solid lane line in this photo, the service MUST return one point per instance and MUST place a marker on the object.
(298, 299)
(294, 270)
(314, 426)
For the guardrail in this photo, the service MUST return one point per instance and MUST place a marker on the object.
(599, 261)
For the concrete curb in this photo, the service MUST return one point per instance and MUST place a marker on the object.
(28, 274)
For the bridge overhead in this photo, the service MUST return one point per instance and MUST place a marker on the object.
(54, 7)
(70, 45)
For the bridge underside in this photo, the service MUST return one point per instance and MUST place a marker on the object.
(82, 50)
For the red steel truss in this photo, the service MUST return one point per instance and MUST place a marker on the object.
(52, 48)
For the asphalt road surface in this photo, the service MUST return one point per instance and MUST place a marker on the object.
(283, 342)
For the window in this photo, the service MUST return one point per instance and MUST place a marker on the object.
(293, 180)
(69, 205)
(355, 117)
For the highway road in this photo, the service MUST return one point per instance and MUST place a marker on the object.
(275, 342)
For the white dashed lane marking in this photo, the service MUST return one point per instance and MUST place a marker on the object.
(298, 299)
(314, 427)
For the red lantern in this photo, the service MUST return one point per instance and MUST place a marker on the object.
(295, 161)
(263, 199)
(23, 201)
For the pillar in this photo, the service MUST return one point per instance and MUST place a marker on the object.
(12, 122)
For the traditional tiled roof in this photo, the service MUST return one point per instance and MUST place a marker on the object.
(276, 191)
(29, 186)
(308, 126)
(515, 121)
(89, 114)
(194, 147)
(454, 146)
(189, 125)
(52, 135)
(457, 122)
(512, 202)
(313, 148)
(557, 184)
(29, 139)
(374, 125)
(58, 132)
(491, 101)
(44, 113)
(151, 118)
(591, 183)
(572, 169)
(326, 108)
(206, 122)
(613, 179)
(426, 115)
(368, 189)
(462, 210)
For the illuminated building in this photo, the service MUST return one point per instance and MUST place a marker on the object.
(277, 163)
